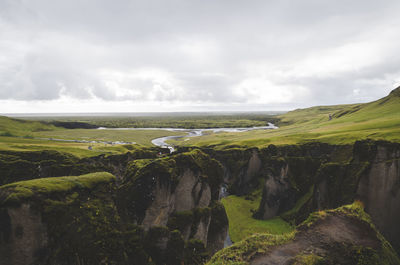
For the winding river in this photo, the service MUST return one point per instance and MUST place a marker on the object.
(162, 141)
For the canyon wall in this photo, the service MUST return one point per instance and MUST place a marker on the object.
(166, 210)
(161, 211)
(299, 179)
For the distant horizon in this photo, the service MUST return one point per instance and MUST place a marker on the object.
(176, 112)
(136, 114)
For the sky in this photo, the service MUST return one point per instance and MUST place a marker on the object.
(195, 55)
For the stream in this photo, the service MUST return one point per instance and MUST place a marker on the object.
(162, 141)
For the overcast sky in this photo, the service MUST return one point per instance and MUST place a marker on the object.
(195, 55)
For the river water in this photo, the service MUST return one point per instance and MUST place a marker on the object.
(162, 141)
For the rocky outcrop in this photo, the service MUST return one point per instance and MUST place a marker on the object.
(274, 190)
(57, 220)
(23, 235)
(177, 192)
(297, 180)
(17, 166)
(241, 168)
(379, 189)
(165, 210)
(342, 236)
(190, 193)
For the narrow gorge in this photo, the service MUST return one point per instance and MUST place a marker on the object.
(166, 210)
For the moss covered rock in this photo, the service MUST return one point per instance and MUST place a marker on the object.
(345, 235)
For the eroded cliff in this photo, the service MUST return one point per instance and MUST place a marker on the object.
(160, 211)
(165, 210)
(345, 235)
(297, 180)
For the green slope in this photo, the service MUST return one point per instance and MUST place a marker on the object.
(19, 135)
(378, 120)
(14, 127)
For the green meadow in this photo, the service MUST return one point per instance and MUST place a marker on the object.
(378, 120)
(168, 120)
(140, 137)
(21, 135)
(76, 149)
(241, 222)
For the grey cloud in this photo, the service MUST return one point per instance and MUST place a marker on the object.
(193, 51)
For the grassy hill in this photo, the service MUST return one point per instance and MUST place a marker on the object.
(22, 135)
(15, 127)
(378, 120)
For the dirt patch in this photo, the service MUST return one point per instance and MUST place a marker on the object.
(321, 239)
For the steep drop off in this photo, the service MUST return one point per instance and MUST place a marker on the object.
(166, 210)
(159, 211)
(300, 179)
(342, 236)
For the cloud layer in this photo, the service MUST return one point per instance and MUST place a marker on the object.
(179, 55)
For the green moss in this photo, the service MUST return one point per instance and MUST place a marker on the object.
(301, 172)
(242, 252)
(180, 220)
(341, 181)
(338, 252)
(134, 166)
(88, 227)
(23, 190)
(195, 252)
(154, 239)
(384, 255)
(308, 259)
(175, 248)
(199, 161)
(136, 192)
(294, 212)
(188, 219)
(199, 215)
(82, 222)
(312, 218)
(219, 219)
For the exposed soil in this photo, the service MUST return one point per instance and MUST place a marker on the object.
(322, 238)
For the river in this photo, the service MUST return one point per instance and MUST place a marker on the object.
(162, 141)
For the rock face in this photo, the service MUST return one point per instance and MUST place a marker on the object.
(379, 189)
(241, 168)
(165, 210)
(298, 180)
(275, 186)
(17, 166)
(180, 193)
(56, 220)
(23, 235)
(342, 236)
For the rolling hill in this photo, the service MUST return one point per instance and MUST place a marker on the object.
(339, 124)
